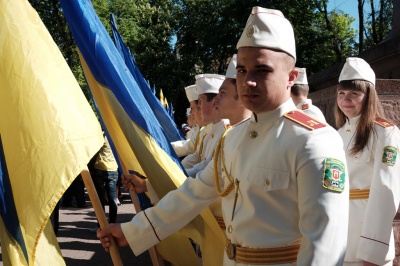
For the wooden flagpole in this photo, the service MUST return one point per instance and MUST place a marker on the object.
(101, 216)
(155, 257)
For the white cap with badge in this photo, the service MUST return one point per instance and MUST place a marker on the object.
(357, 69)
(209, 83)
(268, 28)
(231, 71)
(302, 77)
(191, 93)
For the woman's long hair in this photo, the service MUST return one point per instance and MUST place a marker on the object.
(371, 108)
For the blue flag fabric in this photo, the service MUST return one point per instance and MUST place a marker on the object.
(164, 118)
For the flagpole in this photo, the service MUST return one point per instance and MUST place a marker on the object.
(101, 216)
(154, 255)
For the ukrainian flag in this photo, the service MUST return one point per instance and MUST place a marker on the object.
(164, 118)
(139, 139)
(48, 133)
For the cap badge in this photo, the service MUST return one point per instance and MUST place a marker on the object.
(251, 29)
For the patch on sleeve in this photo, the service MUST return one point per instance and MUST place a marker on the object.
(334, 175)
(389, 155)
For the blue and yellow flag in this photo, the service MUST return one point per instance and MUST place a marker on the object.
(163, 116)
(48, 133)
(136, 133)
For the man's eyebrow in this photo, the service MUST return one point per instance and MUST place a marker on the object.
(256, 66)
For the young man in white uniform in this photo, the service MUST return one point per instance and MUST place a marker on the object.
(299, 94)
(284, 185)
(189, 146)
(207, 86)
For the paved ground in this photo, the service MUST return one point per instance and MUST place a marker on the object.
(80, 247)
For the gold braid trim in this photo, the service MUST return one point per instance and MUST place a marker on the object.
(196, 142)
(219, 150)
(201, 148)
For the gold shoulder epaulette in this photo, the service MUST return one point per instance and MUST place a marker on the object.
(305, 120)
(382, 122)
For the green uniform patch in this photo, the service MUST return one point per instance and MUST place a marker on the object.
(389, 155)
(334, 175)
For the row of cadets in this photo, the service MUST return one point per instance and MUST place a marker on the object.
(191, 122)
(289, 198)
(371, 143)
(207, 86)
(299, 94)
(189, 146)
(228, 106)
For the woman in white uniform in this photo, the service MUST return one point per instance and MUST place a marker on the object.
(371, 144)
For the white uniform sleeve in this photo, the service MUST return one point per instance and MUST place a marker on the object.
(173, 211)
(151, 193)
(192, 172)
(183, 147)
(377, 237)
(190, 160)
(323, 213)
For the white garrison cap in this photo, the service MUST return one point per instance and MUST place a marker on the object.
(302, 77)
(268, 28)
(231, 71)
(191, 93)
(357, 68)
(208, 83)
(188, 111)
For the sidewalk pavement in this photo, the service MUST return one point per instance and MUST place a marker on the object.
(80, 247)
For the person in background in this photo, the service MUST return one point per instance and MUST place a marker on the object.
(189, 146)
(207, 86)
(371, 144)
(105, 177)
(77, 190)
(191, 121)
(299, 94)
(282, 180)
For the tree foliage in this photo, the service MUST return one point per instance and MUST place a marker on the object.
(173, 40)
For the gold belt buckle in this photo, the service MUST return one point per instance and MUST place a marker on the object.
(230, 250)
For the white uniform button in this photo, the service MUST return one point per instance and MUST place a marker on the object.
(348, 131)
(266, 182)
(230, 229)
(253, 134)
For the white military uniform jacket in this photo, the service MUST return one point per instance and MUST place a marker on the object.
(282, 201)
(311, 110)
(190, 160)
(210, 142)
(192, 130)
(370, 220)
(185, 147)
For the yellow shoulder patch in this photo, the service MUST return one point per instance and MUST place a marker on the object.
(382, 122)
(305, 120)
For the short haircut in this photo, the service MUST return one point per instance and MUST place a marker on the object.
(300, 90)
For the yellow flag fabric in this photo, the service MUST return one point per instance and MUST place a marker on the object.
(48, 134)
(163, 100)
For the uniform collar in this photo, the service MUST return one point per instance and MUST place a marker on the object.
(220, 124)
(352, 121)
(306, 101)
(274, 114)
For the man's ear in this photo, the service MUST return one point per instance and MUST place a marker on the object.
(292, 77)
